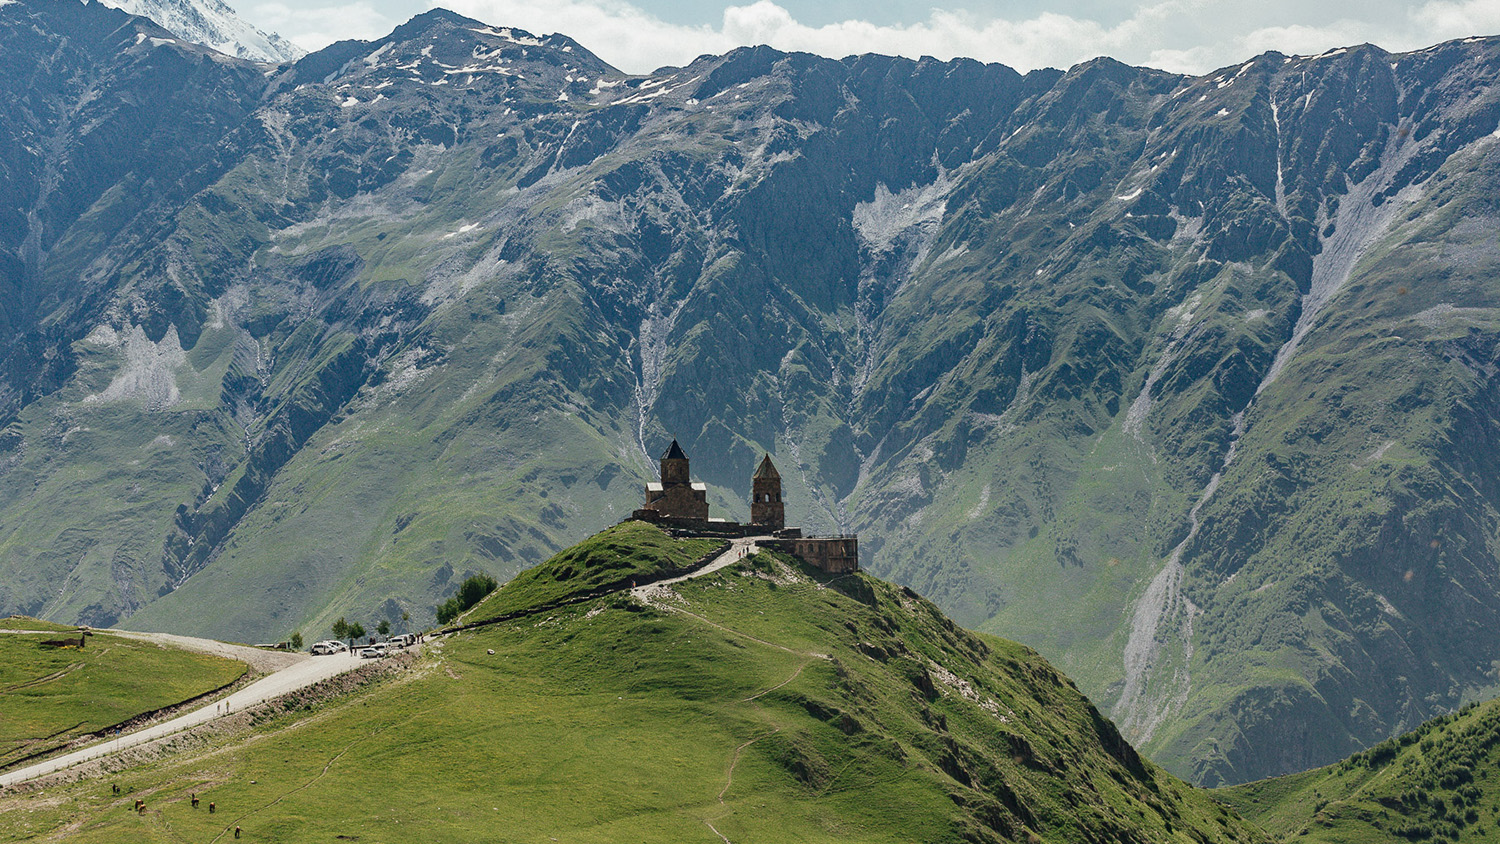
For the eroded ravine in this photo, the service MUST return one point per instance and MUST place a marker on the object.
(1158, 652)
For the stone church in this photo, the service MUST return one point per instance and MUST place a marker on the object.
(678, 498)
(765, 496)
(680, 504)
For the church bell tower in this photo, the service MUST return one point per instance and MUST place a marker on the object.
(674, 466)
(766, 509)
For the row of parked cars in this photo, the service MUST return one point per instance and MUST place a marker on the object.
(395, 643)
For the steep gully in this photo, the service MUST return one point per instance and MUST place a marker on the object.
(1159, 651)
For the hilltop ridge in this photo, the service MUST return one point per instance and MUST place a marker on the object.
(764, 701)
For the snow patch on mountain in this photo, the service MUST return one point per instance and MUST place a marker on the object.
(213, 24)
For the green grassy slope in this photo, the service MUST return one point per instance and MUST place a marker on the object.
(615, 556)
(1439, 783)
(52, 695)
(755, 704)
(22, 622)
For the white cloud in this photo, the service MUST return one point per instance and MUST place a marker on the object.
(635, 41)
(1191, 36)
(1303, 40)
(1447, 20)
(315, 27)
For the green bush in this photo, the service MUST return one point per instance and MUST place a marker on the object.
(469, 593)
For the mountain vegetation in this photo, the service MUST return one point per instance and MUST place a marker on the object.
(1437, 784)
(1184, 381)
(469, 593)
(612, 559)
(761, 702)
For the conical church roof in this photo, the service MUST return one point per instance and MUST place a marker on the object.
(674, 452)
(766, 469)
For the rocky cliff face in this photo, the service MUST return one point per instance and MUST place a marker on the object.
(1184, 381)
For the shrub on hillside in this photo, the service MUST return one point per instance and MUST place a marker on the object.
(469, 593)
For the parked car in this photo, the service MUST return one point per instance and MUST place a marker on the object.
(370, 653)
(328, 647)
(402, 641)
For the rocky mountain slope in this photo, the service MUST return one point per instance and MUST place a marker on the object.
(758, 703)
(1184, 381)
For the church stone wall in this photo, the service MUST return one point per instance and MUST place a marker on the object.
(682, 501)
(833, 554)
(681, 506)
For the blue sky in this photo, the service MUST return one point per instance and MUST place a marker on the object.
(1192, 36)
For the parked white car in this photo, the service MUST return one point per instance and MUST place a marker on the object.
(328, 647)
(372, 652)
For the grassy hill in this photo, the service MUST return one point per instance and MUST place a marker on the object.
(53, 695)
(617, 556)
(763, 702)
(1439, 783)
(22, 622)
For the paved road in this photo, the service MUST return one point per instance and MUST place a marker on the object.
(290, 672)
